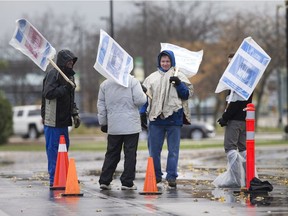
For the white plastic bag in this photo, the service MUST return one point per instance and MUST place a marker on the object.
(235, 174)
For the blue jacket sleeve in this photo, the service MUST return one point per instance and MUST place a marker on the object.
(183, 91)
(143, 109)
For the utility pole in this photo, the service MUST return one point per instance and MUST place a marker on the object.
(111, 20)
(143, 7)
(280, 106)
(286, 7)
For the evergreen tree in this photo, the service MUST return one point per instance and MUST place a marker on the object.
(6, 123)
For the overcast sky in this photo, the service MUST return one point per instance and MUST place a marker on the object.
(92, 11)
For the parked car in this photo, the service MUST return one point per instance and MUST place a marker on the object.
(197, 130)
(27, 121)
(89, 119)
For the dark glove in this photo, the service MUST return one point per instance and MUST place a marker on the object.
(75, 111)
(69, 87)
(104, 128)
(77, 121)
(144, 88)
(144, 123)
(176, 80)
(222, 122)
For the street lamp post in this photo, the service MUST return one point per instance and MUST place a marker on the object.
(111, 19)
(278, 69)
(143, 7)
(286, 7)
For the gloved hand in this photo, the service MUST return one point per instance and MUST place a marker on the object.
(222, 122)
(69, 87)
(75, 111)
(104, 128)
(144, 123)
(175, 79)
(77, 121)
(144, 88)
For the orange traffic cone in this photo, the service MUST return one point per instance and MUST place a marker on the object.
(61, 166)
(150, 185)
(72, 185)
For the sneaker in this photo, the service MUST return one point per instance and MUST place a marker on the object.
(172, 183)
(133, 187)
(105, 187)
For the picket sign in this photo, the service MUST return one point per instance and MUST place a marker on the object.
(28, 40)
(187, 62)
(245, 69)
(112, 61)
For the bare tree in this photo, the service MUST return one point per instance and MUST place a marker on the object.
(261, 27)
(179, 22)
(175, 21)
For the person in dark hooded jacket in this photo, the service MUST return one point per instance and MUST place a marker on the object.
(58, 107)
(234, 119)
(167, 110)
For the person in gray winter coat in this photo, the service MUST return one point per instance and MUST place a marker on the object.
(118, 115)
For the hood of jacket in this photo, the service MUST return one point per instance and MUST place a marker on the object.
(171, 56)
(63, 57)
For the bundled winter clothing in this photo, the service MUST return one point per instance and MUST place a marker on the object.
(118, 114)
(167, 111)
(58, 107)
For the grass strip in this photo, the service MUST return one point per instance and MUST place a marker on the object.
(92, 145)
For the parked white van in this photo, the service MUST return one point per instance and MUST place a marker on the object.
(27, 121)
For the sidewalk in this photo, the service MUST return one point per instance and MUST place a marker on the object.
(24, 186)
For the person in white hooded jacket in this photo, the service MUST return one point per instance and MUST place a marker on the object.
(118, 114)
(167, 111)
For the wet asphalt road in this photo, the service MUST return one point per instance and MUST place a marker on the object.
(24, 187)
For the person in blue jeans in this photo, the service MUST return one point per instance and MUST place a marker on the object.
(167, 111)
(58, 107)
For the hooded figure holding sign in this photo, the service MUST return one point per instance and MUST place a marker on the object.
(241, 76)
(58, 107)
(167, 110)
(234, 119)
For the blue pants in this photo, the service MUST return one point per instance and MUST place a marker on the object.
(52, 136)
(156, 136)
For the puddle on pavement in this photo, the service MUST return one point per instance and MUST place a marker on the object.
(70, 202)
(234, 196)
